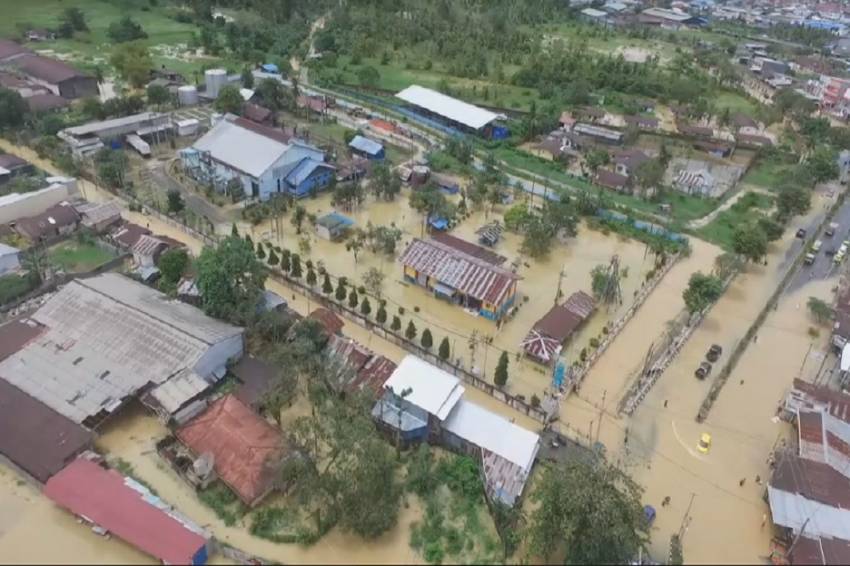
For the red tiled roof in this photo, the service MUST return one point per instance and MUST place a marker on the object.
(331, 322)
(382, 125)
(557, 325)
(129, 233)
(610, 179)
(247, 451)
(468, 274)
(46, 69)
(271, 133)
(256, 113)
(105, 498)
(470, 249)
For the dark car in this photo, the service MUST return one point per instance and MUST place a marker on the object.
(703, 370)
(714, 353)
(830, 251)
(801, 233)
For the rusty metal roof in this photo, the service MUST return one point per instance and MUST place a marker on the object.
(247, 451)
(455, 268)
(470, 248)
(550, 332)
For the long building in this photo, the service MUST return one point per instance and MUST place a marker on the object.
(462, 273)
(265, 161)
(57, 77)
(101, 341)
(456, 113)
(422, 403)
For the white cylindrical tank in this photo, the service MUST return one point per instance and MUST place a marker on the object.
(215, 79)
(187, 95)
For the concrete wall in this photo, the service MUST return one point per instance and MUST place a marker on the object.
(33, 203)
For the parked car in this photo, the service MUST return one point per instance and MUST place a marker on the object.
(704, 444)
(714, 353)
(816, 246)
(703, 370)
(830, 251)
(830, 230)
(839, 257)
(801, 233)
(809, 259)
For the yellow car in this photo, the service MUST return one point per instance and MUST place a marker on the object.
(704, 444)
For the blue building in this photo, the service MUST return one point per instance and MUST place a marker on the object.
(367, 148)
(265, 161)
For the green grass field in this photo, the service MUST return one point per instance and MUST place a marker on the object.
(734, 102)
(749, 208)
(92, 48)
(71, 256)
(768, 174)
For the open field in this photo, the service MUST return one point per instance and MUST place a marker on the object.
(92, 48)
(76, 257)
(752, 206)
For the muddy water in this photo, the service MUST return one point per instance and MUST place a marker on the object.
(34, 530)
(133, 436)
(538, 286)
(661, 448)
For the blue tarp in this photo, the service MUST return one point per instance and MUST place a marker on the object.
(270, 68)
(439, 223)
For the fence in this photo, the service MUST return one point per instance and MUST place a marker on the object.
(645, 291)
(644, 382)
(513, 401)
(207, 239)
(724, 374)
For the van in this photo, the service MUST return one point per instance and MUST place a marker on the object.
(816, 246)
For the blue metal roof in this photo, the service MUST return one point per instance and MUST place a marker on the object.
(303, 170)
(366, 145)
(270, 68)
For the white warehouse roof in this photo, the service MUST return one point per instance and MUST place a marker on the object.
(494, 433)
(250, 152)
(431, 388)
(448, 107)
(104, 339)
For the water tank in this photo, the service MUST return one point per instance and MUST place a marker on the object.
(187, 95)
(215, 79)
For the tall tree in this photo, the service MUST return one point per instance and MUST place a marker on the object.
(172, 264)
(229, 99)
(426, 339)
(373, 280)
(819, 310)
(231, 280)
(133, 63)
(13, 109)
(445, 349)
(365, 307)
(298, 216)
(750, 241)
(702, 291)
(590, 509)
(327, 286)
(381, 315)
(410, 332)
(501, 376)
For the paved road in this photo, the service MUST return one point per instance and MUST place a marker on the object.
(823, 267)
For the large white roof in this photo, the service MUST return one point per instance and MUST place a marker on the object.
(431, 388)
(795, 512)
(448, 107)
(105, 339)
(494, 433)
(240, 148)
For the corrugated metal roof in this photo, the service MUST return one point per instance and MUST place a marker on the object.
(35, 437)
(95, 127)
(432, 389)
(179, 390)
(550, 332)
(448, 107)
(241, 148)
(126, 509)
(366, 145)
(791, 510)
(304, 169)
(247, 451)
(452, 267)
(494, 433)
(107, 338)
(148, 245)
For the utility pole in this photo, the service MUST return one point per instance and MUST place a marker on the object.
(686, 520)
(809, 351)
(561, 275)
(601, 411)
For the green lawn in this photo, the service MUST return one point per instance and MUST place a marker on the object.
(72, 256)
(749, 208)
(395, 77)
(14, 286)
(734, 102)
(93, 47)
(768, 174)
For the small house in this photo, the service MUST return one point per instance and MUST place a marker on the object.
(716, 148)
(329, 320)
(58, 220)
(611, 180)
(646, 123)
(99, 216)
(628, 161)
(126, 235)
(599, 134)
(147, 251)
(257, 113)
(333, 226)
(544, 342)
(364, 147)
(12, 166)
